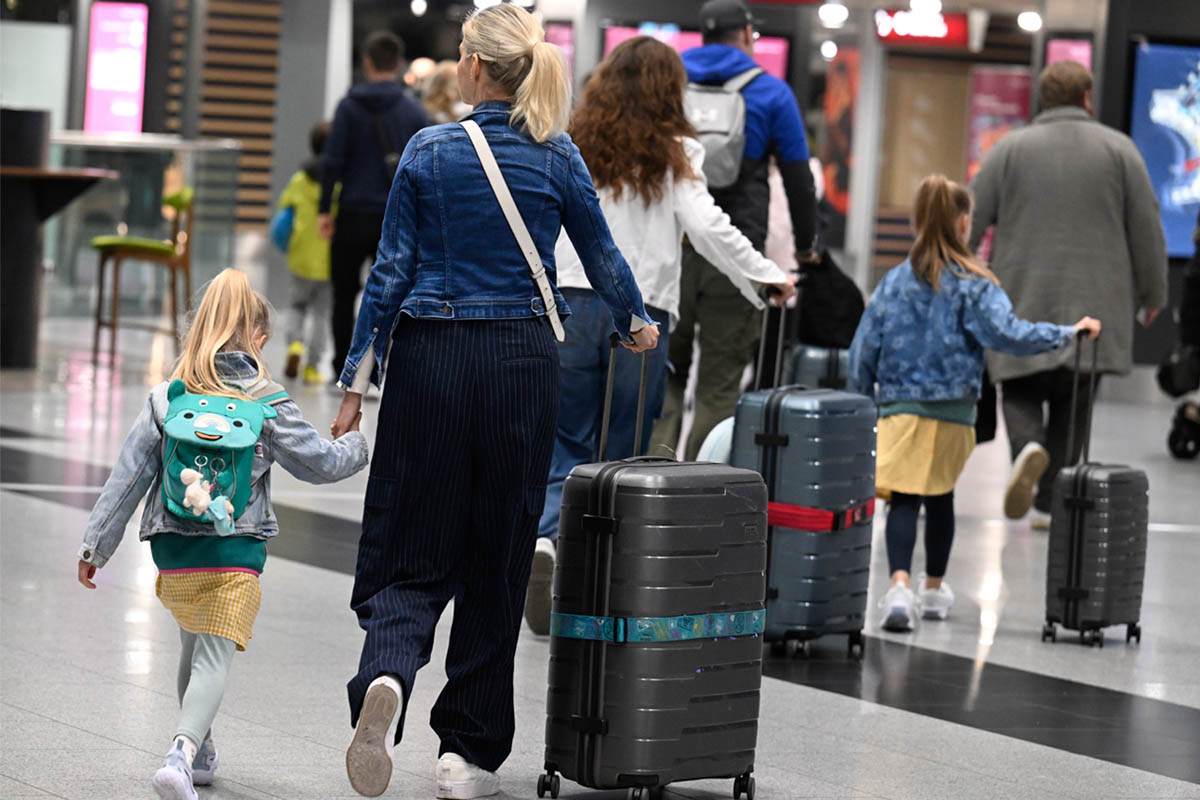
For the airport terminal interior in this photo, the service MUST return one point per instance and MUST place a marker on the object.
(980, 705)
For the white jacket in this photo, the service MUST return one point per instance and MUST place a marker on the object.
(651, 239)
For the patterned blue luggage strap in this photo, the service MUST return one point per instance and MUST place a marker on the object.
(658, 629)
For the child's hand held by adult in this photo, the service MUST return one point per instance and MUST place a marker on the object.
(348, 416)
(1089, 326)
(85, 573)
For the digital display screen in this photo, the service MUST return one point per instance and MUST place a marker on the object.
(1069, 50)
(770, 52)
(1165, 126)
(116, 68)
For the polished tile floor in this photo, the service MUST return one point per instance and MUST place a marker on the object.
(975, 707)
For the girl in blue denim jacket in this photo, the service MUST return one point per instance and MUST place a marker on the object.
(209, 581)
(919, 351)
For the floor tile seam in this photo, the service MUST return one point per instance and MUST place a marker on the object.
(32, 786)
(122, 745)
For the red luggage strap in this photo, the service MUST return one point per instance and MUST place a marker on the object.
(783, 515)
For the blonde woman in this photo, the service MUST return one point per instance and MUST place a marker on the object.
(208, 577)
(469, 410)
(441, 98)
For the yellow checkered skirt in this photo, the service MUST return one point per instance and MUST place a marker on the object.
(219, 602)
(920, 455)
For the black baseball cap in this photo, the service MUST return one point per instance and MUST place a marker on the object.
(725, 15)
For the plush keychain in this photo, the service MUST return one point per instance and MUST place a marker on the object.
(198, 497)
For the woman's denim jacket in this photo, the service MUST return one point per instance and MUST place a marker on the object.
(287, 439)
(924, 346)
(447, 253)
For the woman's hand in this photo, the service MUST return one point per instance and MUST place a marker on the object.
(1089, 326)
(348, 416)
(782, 292)
(645, 338)
(85, 573)
(325, 226)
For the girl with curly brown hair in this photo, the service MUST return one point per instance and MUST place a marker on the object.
(646, 163)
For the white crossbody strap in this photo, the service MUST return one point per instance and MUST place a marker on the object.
(509, 207)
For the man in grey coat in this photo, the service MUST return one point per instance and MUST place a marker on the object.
(1077, 233)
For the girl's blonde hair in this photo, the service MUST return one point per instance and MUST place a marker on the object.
(514, 50)
(441, 90)
(939, 204)
(231, 317)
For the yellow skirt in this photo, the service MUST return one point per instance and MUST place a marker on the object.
(919, 455)
(221, 603)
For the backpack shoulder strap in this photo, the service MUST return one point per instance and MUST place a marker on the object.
(270, 393)
(742, 80)
(381, 134)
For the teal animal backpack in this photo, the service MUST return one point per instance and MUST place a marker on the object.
(209, 443)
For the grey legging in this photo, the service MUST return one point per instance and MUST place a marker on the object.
(204, 662)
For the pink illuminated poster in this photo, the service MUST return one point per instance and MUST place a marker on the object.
(1069, 50)
(116, 72)
(770, 52)
(562, 34)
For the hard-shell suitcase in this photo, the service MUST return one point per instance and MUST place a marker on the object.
(815, 449)
(818, 367)
(656, 648)
(1097, 553)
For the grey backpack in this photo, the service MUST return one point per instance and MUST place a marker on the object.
(718, 113)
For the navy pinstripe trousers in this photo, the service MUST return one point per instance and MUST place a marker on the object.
(458, 480)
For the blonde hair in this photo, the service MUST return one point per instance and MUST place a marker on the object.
(513, 47)
(939, 204)
(441, 90)
(231, 317)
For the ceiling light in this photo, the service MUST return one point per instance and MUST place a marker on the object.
(1030, 21)
(829, 49)
(833, 15)
(419, 7)
(925, 6)
(486, 3)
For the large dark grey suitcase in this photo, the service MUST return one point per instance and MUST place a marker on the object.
(1097, 553)
(815, 448)
(818, 367)
(656, 648)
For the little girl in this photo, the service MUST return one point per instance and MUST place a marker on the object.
(202, 447)
(919, 351)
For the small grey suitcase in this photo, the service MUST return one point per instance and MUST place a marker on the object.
(656, 648)
(1097, 553)
(818, 367)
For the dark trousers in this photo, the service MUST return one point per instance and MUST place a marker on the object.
(584, 363)
(355, 239)
(1037, 408)
(902, 531)
(458, 479)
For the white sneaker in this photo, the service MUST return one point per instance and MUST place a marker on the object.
(1027, 470)
(936, 603)
(458, 780)
(537, 596)
(899, 609)
(369, 757)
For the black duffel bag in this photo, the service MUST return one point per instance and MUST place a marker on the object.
(1180, 372)
(830, 305)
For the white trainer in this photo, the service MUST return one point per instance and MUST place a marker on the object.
(1027, 470)
(369, 757)
(899, 609)
(537, 596)
(936, 603)
(459, 780)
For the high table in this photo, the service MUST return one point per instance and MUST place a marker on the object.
(28, 196)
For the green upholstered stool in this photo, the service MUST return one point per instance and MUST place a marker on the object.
(175, 254)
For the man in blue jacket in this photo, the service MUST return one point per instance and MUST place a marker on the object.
(371, 127)
(709, 302)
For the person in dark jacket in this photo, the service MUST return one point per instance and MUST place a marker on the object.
(371, 127)
(710, 303)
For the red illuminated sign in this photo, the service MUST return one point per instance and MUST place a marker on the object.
(921, 28)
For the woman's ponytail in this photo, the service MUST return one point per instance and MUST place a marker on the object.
(514, 50)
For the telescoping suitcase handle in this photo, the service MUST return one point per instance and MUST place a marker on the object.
(1087, 435)
(614, 341)
(762, 344)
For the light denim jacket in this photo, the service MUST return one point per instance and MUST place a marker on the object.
(920, 345)
(287, 439)
(447, 253)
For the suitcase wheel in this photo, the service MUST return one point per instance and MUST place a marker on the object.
(548, 783)
(1092, 638)
(855, 644)
(743, 785)
(1049, 632)
(1181, 445)
(643, 793)
(1133, 631)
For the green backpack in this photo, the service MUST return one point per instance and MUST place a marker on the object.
(209, 443)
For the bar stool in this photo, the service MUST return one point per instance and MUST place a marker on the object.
(175, 254)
